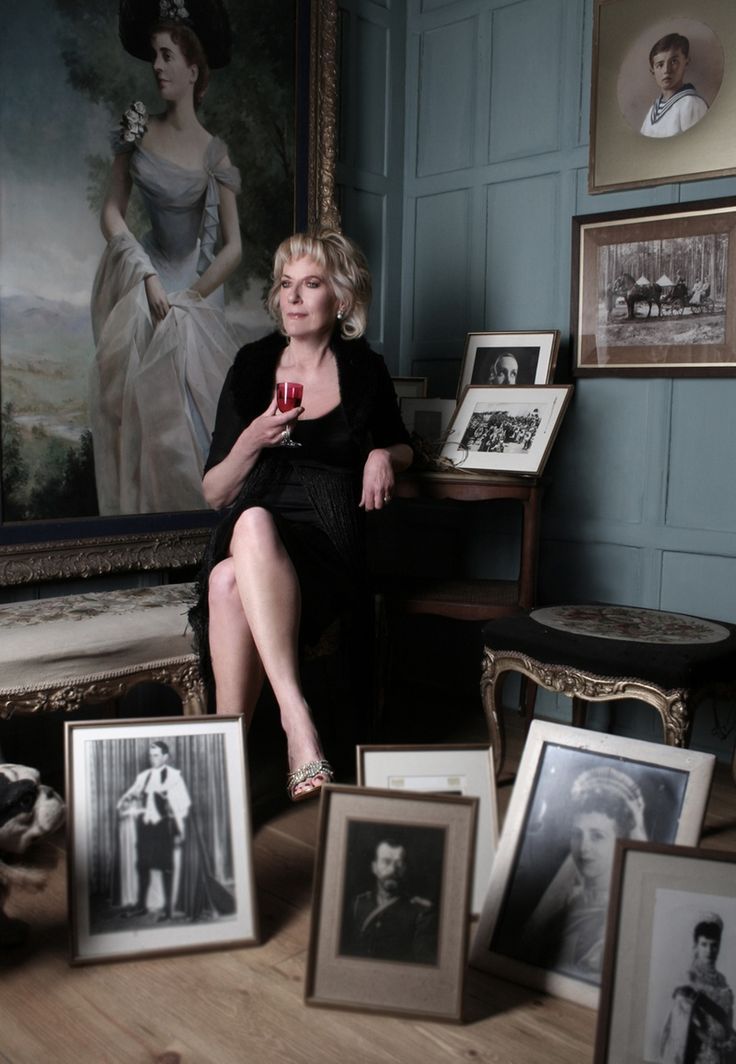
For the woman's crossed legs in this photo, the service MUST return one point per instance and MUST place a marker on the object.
(254, 611)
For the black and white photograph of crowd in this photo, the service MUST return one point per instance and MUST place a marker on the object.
(508, 429)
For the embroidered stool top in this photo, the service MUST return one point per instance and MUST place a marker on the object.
(672, 650)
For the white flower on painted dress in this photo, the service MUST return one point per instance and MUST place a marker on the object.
(134, 122)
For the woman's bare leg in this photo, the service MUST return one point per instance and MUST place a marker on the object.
(271, 601)
(236, 663)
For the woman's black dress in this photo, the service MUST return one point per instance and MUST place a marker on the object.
(312, 490)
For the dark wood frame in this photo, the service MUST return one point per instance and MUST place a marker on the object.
(625, 850)
(38, 551)
(589, 232)
(620, 156)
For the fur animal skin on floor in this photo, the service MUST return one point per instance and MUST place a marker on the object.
(29, 813)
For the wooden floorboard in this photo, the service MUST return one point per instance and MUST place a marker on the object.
(232, 1006)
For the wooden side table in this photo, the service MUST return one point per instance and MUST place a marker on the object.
(474, 599)
(465, 599)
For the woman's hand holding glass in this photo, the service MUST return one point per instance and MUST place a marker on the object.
(268, 429)
(289, 397)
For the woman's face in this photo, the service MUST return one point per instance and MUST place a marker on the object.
(592, 842)
(175, 77)
(306, 300)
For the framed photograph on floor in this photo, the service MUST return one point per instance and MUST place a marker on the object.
(653, 291)
(576, 792)
(669, 972)
(158, 837)
(393, 876)
(453, 769)
(663, 92)
(504, 430)
(520, 358)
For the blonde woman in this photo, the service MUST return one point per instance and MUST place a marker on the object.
(287, 559)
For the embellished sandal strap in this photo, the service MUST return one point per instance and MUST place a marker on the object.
(309, 771)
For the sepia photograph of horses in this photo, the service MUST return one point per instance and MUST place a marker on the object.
(663, 291)
(653, 292)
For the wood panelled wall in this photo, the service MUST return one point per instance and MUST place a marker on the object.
(463, 160)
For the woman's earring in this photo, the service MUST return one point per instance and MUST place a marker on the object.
(340, 314)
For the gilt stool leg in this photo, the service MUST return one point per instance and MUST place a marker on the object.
(490, 690)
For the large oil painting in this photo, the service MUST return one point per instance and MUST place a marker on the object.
(126, 287)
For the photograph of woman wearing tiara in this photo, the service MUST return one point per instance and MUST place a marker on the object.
(555, 913)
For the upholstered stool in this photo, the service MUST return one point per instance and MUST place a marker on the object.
(57, 652)
(598, 653)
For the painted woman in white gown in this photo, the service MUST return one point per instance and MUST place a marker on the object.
(163, 345)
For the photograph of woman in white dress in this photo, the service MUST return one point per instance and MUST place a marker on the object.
(163, 343)
(125, 272)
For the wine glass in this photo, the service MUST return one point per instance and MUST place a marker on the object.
(288, 397)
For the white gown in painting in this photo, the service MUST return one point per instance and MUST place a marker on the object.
(154, 392)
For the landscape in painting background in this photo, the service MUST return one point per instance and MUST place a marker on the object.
(64, 83)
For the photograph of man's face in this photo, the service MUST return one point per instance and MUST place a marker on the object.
(508, 365)
(392, 894)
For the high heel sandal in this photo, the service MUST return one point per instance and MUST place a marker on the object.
(310, 771)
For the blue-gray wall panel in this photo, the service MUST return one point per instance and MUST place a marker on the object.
(639, 507)
(447, 98)
(373, 108)
(526, 53)
(703, 434)
(522, 220)
(603, 572)
(599, 462)
(702, 584)
(441, 265)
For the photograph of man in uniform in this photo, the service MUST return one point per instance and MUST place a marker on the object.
(160, 802)
(394, 916)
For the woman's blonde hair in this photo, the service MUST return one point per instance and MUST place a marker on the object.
(347, 273)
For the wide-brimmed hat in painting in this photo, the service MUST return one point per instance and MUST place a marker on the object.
(207, 18)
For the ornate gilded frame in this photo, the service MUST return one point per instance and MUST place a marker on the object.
(52, 550)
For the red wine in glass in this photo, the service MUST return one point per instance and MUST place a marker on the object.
(288, 397)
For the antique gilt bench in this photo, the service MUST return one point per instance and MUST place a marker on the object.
(600, 653)
(56, 653)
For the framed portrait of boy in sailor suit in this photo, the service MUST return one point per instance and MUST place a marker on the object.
(662, 93)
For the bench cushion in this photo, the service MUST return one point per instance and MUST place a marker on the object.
(77, 637)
